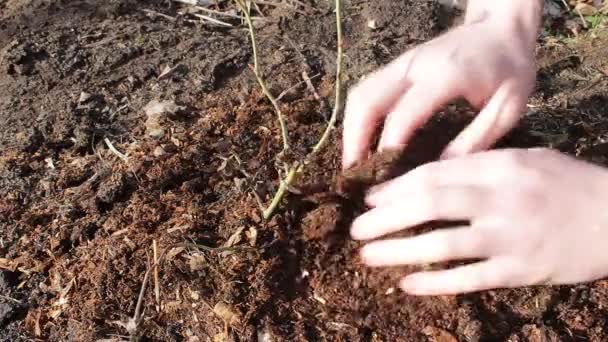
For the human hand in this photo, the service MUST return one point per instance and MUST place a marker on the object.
(488, 61)
(536, 217)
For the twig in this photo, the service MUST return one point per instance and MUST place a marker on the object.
(585, 25)
(258, 75)
(330, 125)
(158, 14)
(310, 86)
(137, 315)
(212, 249)
(133, 323)
(115, 151)
(156, 286)
(258, 200)
(210, 11)
(212, 20)
(11, 299)
(306, 80)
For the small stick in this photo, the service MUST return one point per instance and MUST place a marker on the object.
(133, 323)
(258, 200)
(210, 11)
(212, 249)
(306, 80)
(212, 20)
(156, 286)
(11, 299)
(158, 14)
(115, 151)
(311, 88)
(585, 25)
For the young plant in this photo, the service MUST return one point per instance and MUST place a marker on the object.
(298, 166)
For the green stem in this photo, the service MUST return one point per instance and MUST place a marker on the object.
(281, 192)
(330, 125)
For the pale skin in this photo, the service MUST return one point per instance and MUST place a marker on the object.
(536, 216)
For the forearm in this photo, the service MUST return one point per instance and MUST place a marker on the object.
(522, 16)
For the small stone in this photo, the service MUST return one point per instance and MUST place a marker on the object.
(159, 151)
(84, 97)
(7, 311)
(7, 281)
(156, 133)
(155, 112)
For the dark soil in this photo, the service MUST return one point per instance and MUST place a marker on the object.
(77, 223)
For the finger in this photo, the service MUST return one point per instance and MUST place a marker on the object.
(412, 111)
(485, 275)
(495, 120)
(443, 203)
(437, 246)
(477, 169)
(369, 103)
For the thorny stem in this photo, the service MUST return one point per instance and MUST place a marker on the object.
(291, 175)
(258, 76)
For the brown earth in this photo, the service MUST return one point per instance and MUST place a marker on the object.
(77, 223)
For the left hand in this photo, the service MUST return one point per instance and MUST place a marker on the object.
(536, 217)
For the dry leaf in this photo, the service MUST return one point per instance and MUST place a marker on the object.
(155, 111)
(586, 9)
(32, 322)
(252, 236)
(227, 313)
(438, 335)
(234, 239)
(196, 262)
(173, 252)
(221, 337)
(8, 264)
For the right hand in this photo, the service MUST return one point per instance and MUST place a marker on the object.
(489, 62)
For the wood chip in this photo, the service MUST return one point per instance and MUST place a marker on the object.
(227, 313)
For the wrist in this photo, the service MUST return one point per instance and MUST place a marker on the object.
(521, 18)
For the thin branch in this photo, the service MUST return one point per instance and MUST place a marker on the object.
(115, 151)
(258, 75)
(11, 299)
(156, 282)
(213, 249)
(158, 14)
(225, 14)
(212, 20)
(291, 175)
(306, 80)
